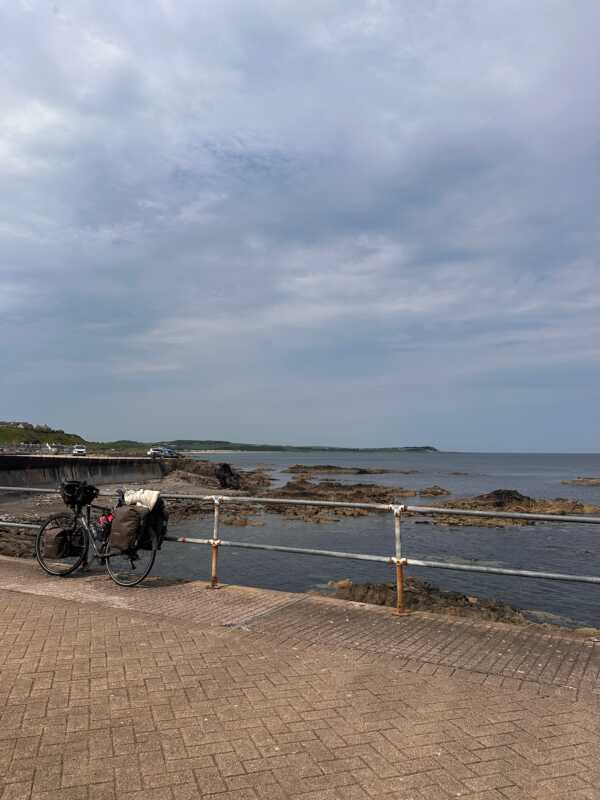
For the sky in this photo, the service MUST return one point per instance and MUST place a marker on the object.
(343, 222)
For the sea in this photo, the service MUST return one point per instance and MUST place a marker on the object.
(548, 547)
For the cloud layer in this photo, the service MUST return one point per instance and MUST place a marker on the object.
(354, 222)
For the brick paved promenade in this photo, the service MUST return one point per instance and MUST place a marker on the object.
(177, 691)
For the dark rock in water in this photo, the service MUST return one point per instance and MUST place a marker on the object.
(301, 468)
(205, 474)
(420, 595)
(510, 500)
(433, 491)
(583, 482)
(330, 489)
(228, 479)
(502, 498)
(316, 469)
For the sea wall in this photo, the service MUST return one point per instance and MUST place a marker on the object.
(49, 471)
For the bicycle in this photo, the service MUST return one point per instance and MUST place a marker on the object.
(78, 530)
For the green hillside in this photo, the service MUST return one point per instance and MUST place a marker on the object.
(121, 445)
(10, 435)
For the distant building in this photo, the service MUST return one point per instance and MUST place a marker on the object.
(26, 426)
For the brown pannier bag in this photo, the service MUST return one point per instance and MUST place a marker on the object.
(126, 526)
(55, 543)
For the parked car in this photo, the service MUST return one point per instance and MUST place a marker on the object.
(162, 452)
(79, 450)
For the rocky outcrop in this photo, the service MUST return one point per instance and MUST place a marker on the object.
(239, 519)
(328, 489)
(217, 476)
(420, 595)
(307, 470)
(507, 500)
(227, 477)
(583, 482)
(501, 499)
(302, 488)
(433, 491)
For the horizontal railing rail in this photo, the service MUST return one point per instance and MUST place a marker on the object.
(397, 560)
(293, 501)
(7, 524)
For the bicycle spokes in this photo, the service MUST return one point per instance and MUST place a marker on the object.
(127, 568)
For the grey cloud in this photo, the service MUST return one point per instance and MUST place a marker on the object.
(284, 197)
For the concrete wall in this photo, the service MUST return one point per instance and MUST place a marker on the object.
(48, 471)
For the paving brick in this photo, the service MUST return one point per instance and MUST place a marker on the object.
(136, 694)
(17, 791)
(496, 780)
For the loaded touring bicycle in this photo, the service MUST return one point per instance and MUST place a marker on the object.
(125, 538)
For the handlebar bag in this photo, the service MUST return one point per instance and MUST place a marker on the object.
(78, 493)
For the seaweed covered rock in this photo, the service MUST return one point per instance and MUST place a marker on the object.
(502, 498)
(510, 500)
(434, 491)
(420, 595)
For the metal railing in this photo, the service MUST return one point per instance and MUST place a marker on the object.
(398, 560)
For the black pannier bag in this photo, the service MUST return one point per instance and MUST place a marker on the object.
(55, 543)
(62, 543)
(157, 520)
(127, 525)
(78, 493)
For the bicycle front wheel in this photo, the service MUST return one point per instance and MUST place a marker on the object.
(61, 545)
(130, 567)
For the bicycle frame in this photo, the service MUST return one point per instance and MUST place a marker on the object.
(84, 517)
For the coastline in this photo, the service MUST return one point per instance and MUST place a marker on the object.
(213, 452)
(493, 543)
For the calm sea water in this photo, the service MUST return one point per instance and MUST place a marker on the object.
(550, 547)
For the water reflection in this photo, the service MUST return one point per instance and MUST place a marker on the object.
(547, 547)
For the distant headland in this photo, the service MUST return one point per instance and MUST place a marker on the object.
(208, 445)
(28, 434)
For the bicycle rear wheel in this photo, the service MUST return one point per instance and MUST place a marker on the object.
(130, 567)
(63, 554)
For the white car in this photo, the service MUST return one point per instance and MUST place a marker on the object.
(79, 450)
(162, 452)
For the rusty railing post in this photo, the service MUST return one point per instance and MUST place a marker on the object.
(398, 561)
(214, 546)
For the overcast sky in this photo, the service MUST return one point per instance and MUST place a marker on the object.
(351, 222)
